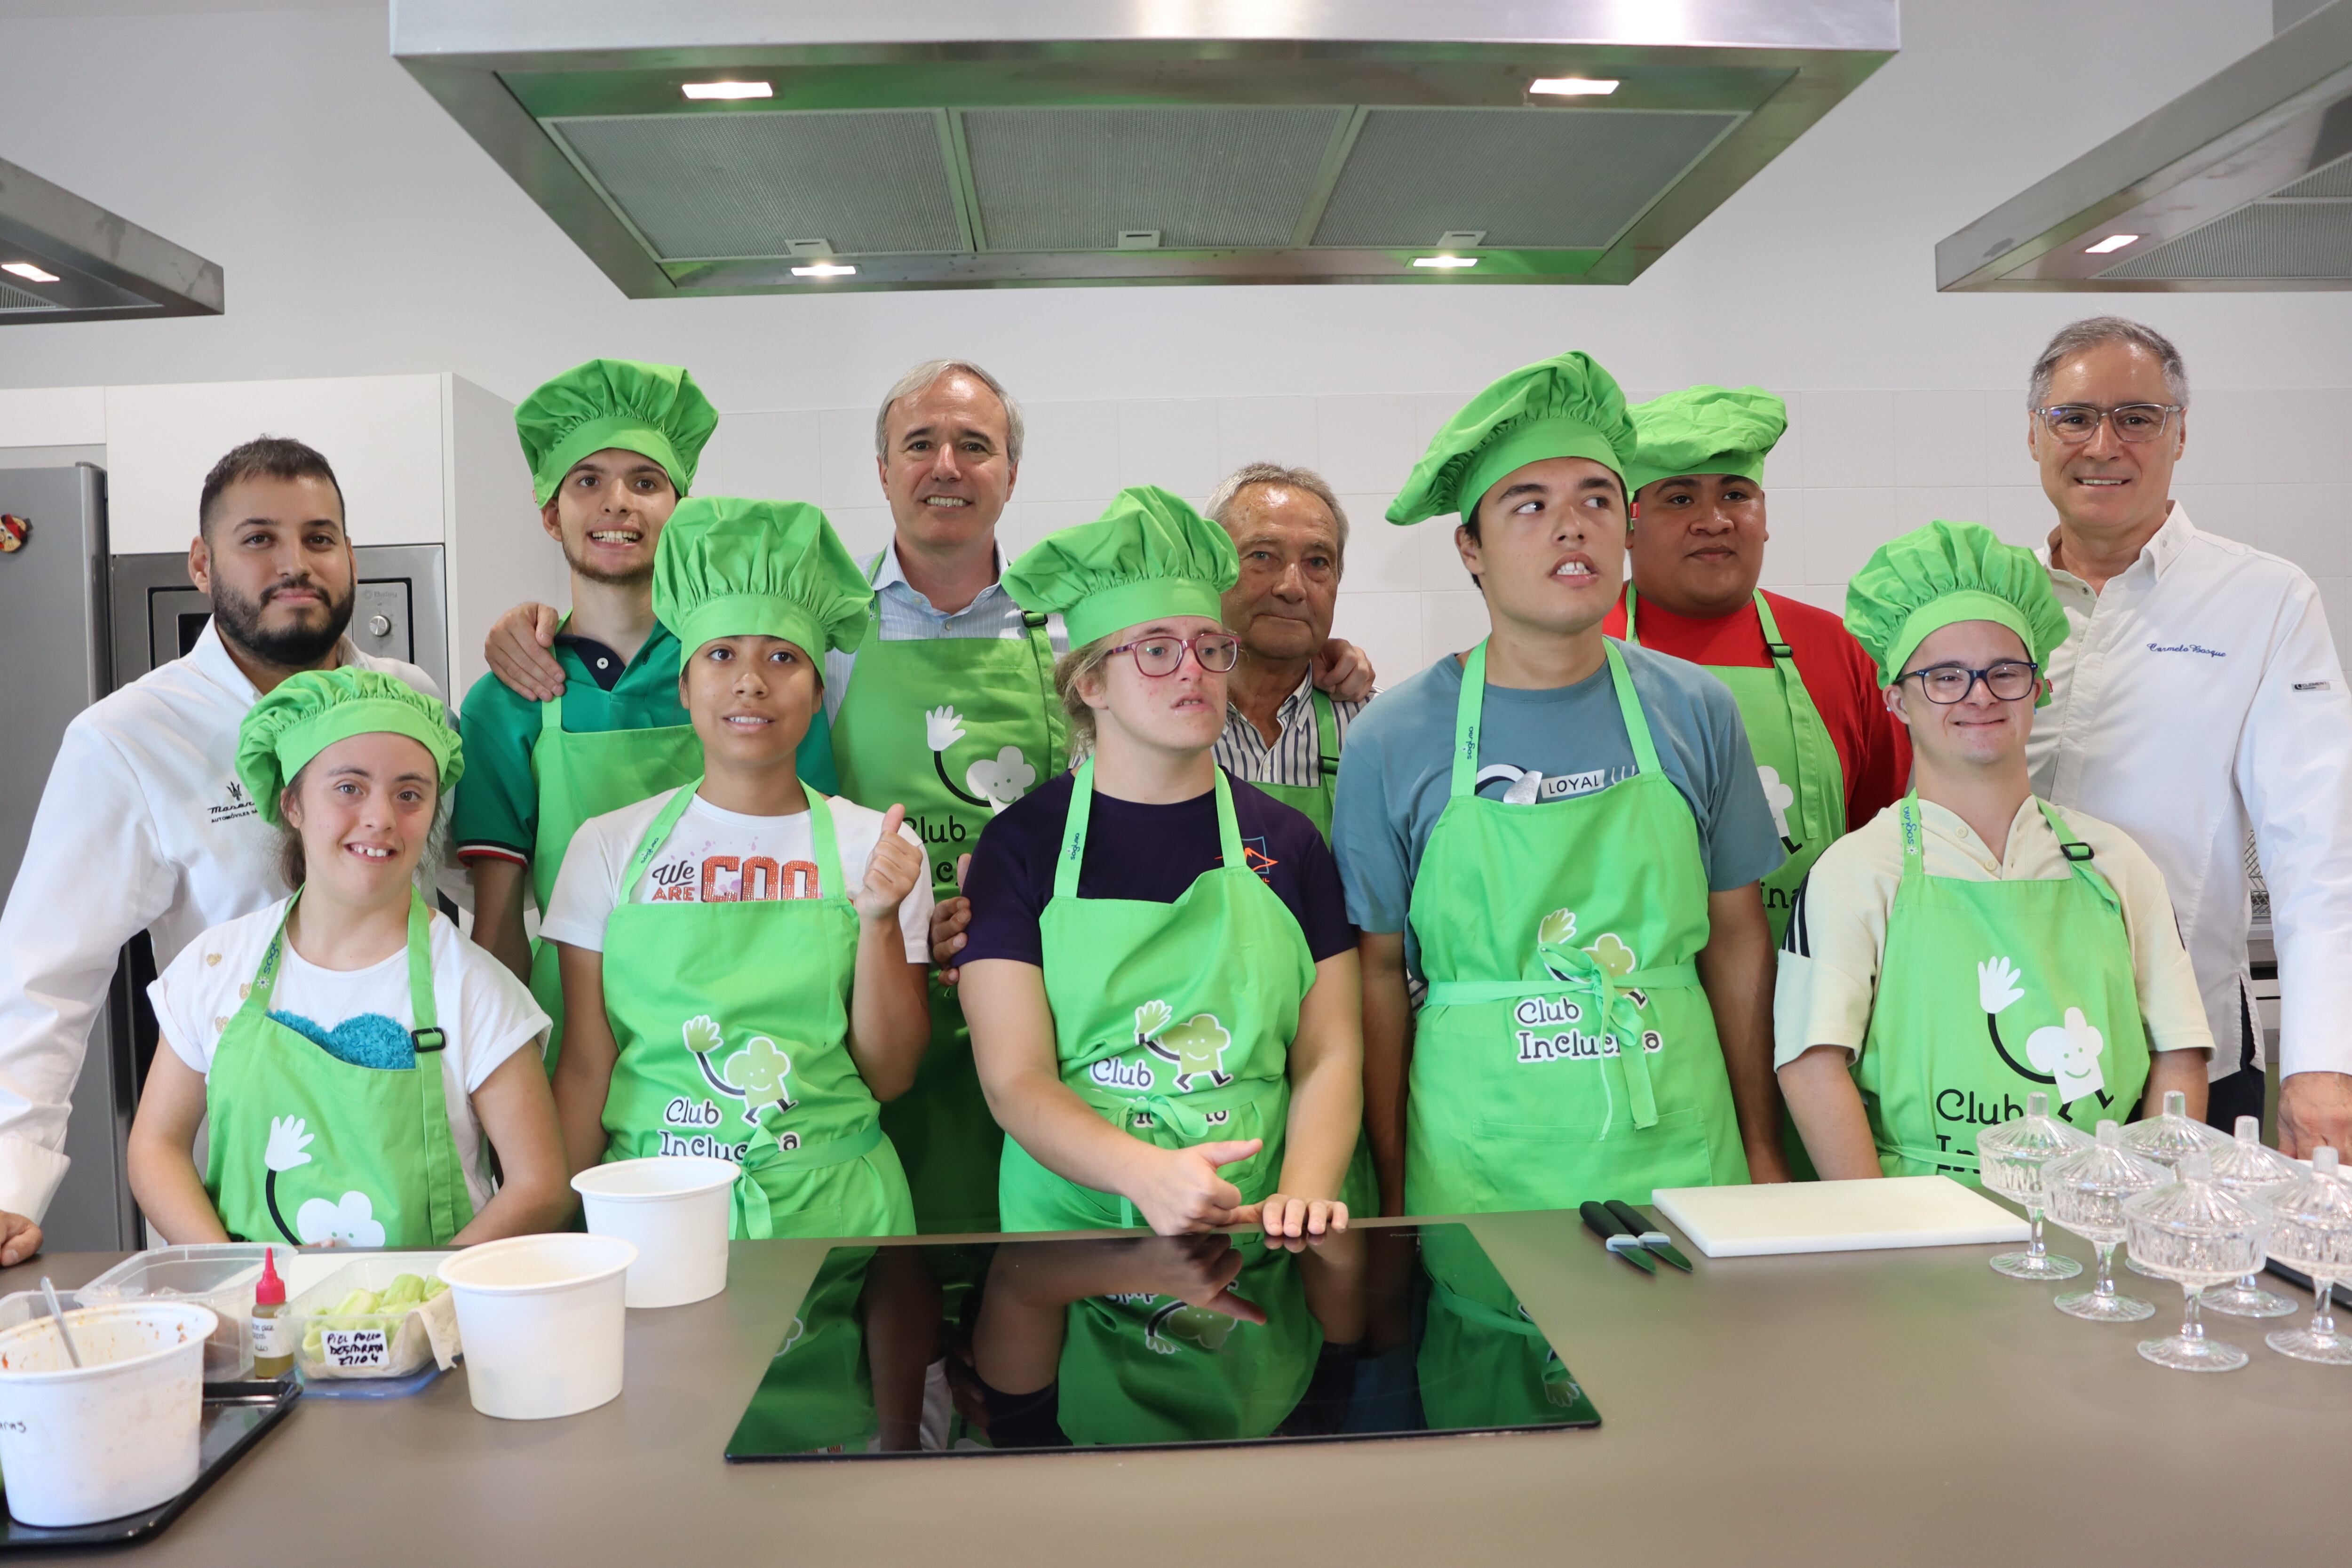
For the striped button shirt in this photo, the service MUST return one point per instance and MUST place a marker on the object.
(1291, 759)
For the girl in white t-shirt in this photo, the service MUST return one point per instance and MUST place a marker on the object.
(744, 959)
(349, 1048)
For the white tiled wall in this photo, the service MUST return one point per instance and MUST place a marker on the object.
(1854, 469)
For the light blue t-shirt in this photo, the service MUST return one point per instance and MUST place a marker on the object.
(1397, 769)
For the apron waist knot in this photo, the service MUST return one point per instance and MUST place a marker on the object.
(1189, 1114)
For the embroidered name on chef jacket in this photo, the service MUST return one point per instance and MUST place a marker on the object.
(235, 806)
(2187, 648)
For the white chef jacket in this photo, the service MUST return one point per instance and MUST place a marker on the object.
(144, 826)
(2199, 696)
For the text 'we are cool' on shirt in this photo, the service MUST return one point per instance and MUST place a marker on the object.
(716, 856)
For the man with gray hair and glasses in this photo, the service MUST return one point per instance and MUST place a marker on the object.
(2198, 699)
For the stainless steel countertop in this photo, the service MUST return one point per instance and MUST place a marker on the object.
(1905, 1407)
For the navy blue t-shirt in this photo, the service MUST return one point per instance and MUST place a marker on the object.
(1148, 853)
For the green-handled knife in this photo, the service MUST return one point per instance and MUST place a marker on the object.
(1645, 1230)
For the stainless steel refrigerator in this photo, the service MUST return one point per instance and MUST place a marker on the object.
(55, 660)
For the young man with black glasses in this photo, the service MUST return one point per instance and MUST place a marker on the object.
(1972, 944)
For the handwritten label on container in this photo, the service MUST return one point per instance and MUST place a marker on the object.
(356, 1347)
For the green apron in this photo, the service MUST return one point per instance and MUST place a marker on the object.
(1362, 1190)
(1796, 761)
(1151, 1369)
(1315, 799)
(1172, 1020)
(1481, 1360)
(1950, 1051)
(818, 1394)
(997, 695)
(1566, 1051)
(581, 776)
(732, 1021)
(362, 1155)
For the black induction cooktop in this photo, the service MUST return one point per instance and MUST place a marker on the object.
(1128, 1342)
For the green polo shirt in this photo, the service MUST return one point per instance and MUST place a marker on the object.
(497, 808)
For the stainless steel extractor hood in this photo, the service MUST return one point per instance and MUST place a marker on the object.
(2242, 182)
(925, 144)
(65, 260)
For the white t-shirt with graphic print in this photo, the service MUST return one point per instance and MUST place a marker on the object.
(486, 1013)
(713, 855)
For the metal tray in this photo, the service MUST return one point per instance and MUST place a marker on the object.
(235, 1416)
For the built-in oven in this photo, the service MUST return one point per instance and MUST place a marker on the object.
(400, 611)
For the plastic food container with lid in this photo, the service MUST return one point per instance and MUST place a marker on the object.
(218, 1276)
(375, 1344)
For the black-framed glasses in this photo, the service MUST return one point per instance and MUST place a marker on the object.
(1945, 684)
(2075, 422)
(1217, 651)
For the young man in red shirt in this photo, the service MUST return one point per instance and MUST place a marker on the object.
(1827, 752)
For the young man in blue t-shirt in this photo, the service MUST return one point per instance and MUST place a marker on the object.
(1561, 836)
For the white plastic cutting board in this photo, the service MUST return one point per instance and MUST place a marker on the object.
(1836, 1216)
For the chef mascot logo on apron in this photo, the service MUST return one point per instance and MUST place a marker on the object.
(758, 1075)
(2066, 1054)
(992, 783)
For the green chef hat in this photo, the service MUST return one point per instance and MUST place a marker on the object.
(1565, 407)
(1944, 572)
(307, 713)
(729, 568)
(1704, 430)
(1149, 556)
(655, 409)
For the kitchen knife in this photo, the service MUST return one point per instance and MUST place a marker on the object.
(1615, 1238)
(1645, 1230)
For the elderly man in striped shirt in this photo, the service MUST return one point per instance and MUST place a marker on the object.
(1283, 732)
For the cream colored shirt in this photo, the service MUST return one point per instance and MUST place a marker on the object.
(1837, 929)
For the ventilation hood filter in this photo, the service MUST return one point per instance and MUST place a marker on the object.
(2242, 182)
(65, 260)
(1025, 143)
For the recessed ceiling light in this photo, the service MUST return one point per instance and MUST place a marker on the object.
(729, 90)
(1572, 86)
(1445, 261)
(825, 270)
(28, 272)
(2113, 242)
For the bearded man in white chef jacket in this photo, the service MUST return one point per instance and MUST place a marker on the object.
(2198, 698)
(143, 825)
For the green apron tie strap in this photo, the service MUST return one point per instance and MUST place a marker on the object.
(1327, 736)
(2078, 857)
(753, 1216)
(1187, 1113)
(1466, 716)
(444, 1178)
(1629, 705)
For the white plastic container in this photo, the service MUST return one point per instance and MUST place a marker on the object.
(370, 1344)
(116, 1435)
(673, 1208)
(219, 1276)
(542, 1317)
